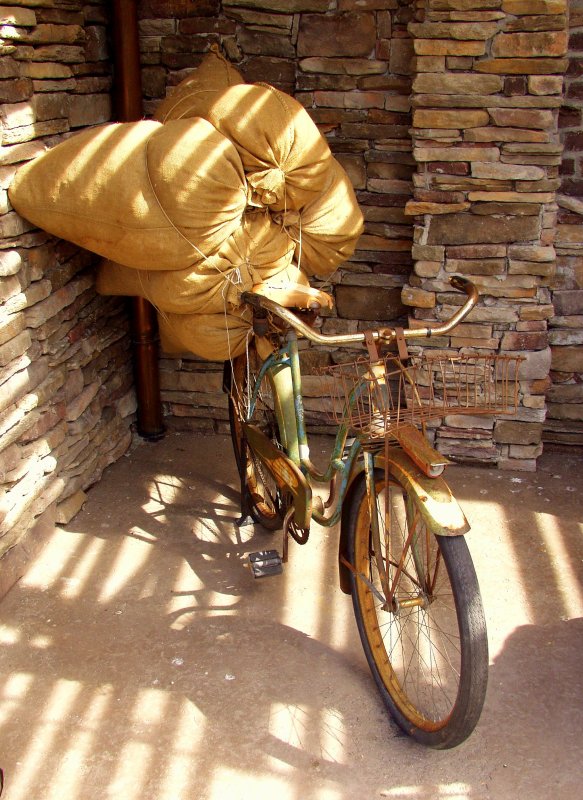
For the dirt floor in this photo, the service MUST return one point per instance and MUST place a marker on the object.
(139, 658)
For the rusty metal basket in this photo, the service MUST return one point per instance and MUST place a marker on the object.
(373, 399)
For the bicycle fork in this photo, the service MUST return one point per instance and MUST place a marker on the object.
(388, 581)
(436, 510)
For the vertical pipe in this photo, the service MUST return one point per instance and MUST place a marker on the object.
(144, 328)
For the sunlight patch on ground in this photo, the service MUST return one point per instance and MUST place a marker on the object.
(240, 785)
(450, 791)
(163, 490)
(311, 602)
(182, 763)
(187, 586)
(14, 692)
(42, 740)
(72, 765)
(566, 580)
(81, 573)
(296, 726)
(131, 557)
(50, 564)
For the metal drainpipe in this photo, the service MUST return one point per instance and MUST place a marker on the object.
(144, 326)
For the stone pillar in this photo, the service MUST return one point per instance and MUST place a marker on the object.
(564, 422)
(486, 95)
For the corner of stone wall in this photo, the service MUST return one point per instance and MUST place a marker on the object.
(66, 387)
(486, 94)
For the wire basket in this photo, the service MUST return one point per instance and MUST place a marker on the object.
(373, 399)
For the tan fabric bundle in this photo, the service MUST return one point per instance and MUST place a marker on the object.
(286, 158)
(146, 195)
(327, 229)
(255, 252)
(217, 337)
(192, 96)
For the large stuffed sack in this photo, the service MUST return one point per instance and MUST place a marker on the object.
(221, 336)
(327, 229)
(286, 158)
(256, 252)
(146, 195)
(193, 95)
(215, 337)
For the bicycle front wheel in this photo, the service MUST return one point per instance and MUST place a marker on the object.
(426, 645)
(263, 494)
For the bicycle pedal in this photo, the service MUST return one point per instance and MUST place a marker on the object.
(265, 563)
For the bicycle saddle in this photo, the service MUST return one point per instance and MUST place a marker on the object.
(295, 295)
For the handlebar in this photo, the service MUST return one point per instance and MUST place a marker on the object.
(384, 335)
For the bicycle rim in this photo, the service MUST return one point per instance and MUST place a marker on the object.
(427, 647)
(263, 492)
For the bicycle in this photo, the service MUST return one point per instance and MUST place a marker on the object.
(402, 553)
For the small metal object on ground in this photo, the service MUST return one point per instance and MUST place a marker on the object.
(265, 563)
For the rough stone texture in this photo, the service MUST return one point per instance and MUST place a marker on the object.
(344, 35)
(524, 66)
(359, 302)
(565, 403)
(65, 370)
(350, 65)
(503, 173)
(521, 45)
(472, 229)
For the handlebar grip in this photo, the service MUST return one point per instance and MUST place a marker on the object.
(463, 285)
(459, 283)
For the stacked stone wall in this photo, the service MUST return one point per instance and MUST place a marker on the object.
(66, 394)
(486, 96)
(564, 421)
(443, 112)
(464, 181)
(349, 63)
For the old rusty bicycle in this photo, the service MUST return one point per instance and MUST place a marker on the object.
(402, 552)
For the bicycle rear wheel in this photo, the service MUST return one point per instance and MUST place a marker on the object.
(427, 647)
(263, 494)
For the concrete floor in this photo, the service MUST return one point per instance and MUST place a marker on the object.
(141, 660)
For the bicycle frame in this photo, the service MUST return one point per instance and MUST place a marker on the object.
(294, 470)
(400, 553)
(282, 368)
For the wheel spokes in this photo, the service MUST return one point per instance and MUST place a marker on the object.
(416, 628)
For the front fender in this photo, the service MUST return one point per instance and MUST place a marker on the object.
(438, 507)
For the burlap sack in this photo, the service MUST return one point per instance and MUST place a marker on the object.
(221, 336)
(146, 195)
(199, 182)
(284, 154)
(191, 98)
(327, 229)
(215, 337)
(257, 251)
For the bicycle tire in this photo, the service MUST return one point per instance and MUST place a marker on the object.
(263, 494)
(429, 661)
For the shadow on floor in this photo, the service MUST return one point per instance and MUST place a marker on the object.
(140, 659)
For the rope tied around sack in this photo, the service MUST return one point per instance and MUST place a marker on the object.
(241, 278)
(288, 220)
